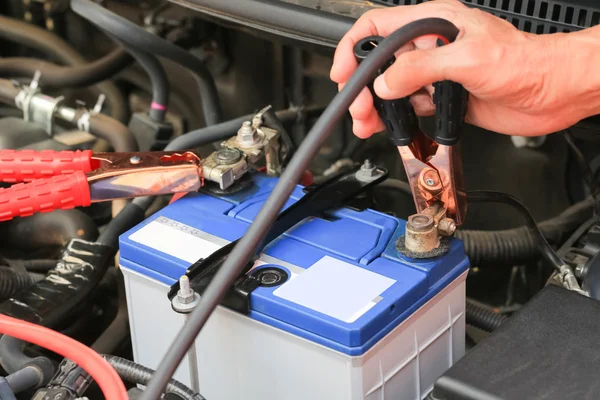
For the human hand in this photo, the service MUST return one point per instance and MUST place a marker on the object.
(520, 83)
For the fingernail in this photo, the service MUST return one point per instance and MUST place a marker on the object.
(381, 87)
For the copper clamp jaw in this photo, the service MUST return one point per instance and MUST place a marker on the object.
(435, 177)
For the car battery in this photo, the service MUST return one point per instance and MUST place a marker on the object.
(345, 317)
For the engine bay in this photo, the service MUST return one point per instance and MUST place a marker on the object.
(185, 213)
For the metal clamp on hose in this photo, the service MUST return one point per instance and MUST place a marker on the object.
(36, 106)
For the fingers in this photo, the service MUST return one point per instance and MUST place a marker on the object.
(368, 126)
(420, 68)
(422, 103)
(383, 22)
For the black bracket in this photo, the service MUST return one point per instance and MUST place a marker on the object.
(329, 195)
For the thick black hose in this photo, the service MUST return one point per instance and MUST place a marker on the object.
(114, 132)
(58, 76)
(518, 245)
(8, 92)
(135, 36)
(118, 329)
(13, 280)
(42, 265)
(248, 244)
(158, 79)
(48, 229)
(53, 46)
(130, 215)
(483, 319)
(160, 83)
(138, 374)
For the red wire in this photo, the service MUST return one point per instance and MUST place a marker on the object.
(101, 371)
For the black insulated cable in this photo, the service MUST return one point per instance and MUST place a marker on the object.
(135, 36)
(517, 246)
(544, 248)
(222, 131)
(272, 121)
(586, 170)
(249, 243)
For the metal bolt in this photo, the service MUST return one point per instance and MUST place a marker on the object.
(185, 294)
(135, 159)
(368, 169)
(447, 226)
(228, 156)
(368, 172)
(246, 134)
(430, 182)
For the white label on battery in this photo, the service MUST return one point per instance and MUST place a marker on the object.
(174, 242)
(335, 288)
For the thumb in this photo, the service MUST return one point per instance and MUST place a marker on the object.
(416, 69)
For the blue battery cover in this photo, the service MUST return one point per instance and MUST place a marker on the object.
(347, 286)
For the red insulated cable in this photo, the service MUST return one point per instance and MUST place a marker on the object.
(101, 371)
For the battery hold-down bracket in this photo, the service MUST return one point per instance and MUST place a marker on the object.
(334, 193)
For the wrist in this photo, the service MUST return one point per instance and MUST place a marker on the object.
(580, 52)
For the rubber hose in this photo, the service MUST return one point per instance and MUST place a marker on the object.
(24, 379)
(13, 280)
(6, 392)
(118, 329)
(517, 245)
(135, 36)
(12, 357)
(138, 374)
(158, 79)
(53, 46)
(483, 319)
(129, 216)
(58, 76)
(48, 229)
(8, 92)
(42, 265)
(160, 83)
(114, 132)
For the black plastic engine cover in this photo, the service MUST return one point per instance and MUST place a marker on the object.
(548, 350)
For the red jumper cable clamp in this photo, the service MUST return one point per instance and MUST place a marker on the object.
(50, 180)
(433, 165)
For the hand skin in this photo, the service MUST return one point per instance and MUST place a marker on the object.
(520, 83)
